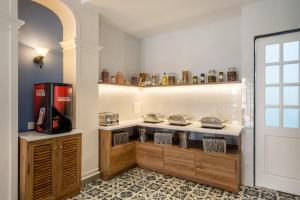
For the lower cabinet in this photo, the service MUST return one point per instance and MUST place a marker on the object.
(114, 159)
(50, 168)
(216, 169)
(150, 156)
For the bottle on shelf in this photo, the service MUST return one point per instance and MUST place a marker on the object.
(164, 80)
(202, 78)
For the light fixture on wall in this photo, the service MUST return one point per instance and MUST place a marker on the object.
(41, 53)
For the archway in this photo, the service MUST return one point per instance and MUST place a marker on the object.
(71, 29)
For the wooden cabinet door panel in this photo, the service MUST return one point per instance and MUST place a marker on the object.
(122, 157)
(69, 164)
(179, 161)
(149, 156)
(42, 168)
(216, 168)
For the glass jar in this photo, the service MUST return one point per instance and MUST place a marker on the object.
(119, 78)
(154, 79)
(113, 79)
(221, 77)
(105, 75)
(185, 76)
(212, 76)
(195, 79)
(202, 78)
(172, 79)
(232, 74)
(134, 79)
(164, 80)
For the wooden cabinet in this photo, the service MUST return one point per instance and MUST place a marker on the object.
(50, 168)
(179, 162)
(217, 169)
(150, 156)
(220, 170)
(114, 160)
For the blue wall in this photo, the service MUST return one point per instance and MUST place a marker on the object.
(42, 28)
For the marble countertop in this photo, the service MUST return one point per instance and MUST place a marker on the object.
(229, 129)
(34, 136)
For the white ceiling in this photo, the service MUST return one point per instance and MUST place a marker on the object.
(147, 17)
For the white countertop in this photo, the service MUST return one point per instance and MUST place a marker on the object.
(34, 136)
(229, 129)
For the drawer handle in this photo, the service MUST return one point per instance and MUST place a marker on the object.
(178, 166)
(214, 175)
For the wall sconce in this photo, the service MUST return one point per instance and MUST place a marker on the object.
(41, 53)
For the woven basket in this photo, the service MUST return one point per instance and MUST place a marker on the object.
(214, 144)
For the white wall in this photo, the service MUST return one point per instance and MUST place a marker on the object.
(121, 51)
(261, 17)
(9, 99)
(119, 100)
(212, 45)
(196, 101)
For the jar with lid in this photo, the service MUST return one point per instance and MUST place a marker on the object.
(172, 79)
(232, 74)
(195, 79)
(105, 75)
(221, 77)
(202, 78)
(119, 78)
(134, 79)
(185, 76)
(154, 79)
(212, 76)
(113, 79)
(164, 80)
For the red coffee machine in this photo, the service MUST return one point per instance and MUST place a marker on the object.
(53, 107)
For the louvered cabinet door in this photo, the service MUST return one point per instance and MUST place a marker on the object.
(42, 170)
(69, 164)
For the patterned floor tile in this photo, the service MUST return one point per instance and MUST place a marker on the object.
(142, 184)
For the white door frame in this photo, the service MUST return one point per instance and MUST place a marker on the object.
(255, 82)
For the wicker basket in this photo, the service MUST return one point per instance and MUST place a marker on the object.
(120, 138)
(214, 144)
(163, 138)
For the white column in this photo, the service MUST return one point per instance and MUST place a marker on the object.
(81, 60)
(9, 25)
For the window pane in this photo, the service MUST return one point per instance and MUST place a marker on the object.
(291, 73)
(272, 53)
(272, 96)
(290, 118)
(291, 95)
(291, 51)
(272, 117)
(272, 74)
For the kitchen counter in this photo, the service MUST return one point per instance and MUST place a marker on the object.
(229, 129)
(34, 136)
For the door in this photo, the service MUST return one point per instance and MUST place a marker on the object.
(42, 170)
(69, 164)
(277, 113)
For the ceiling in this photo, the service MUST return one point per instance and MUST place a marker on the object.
(147, 17)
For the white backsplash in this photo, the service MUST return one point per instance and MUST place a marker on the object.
(224, 100)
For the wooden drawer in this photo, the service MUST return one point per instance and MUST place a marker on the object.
(122, 156)
(149, 156)
(179, 162)
(179, 168)
(179, 155)
(215, 169)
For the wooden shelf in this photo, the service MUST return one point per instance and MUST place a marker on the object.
(182, 85)
(196, 147)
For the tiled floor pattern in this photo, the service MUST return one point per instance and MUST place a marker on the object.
(141, 184)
